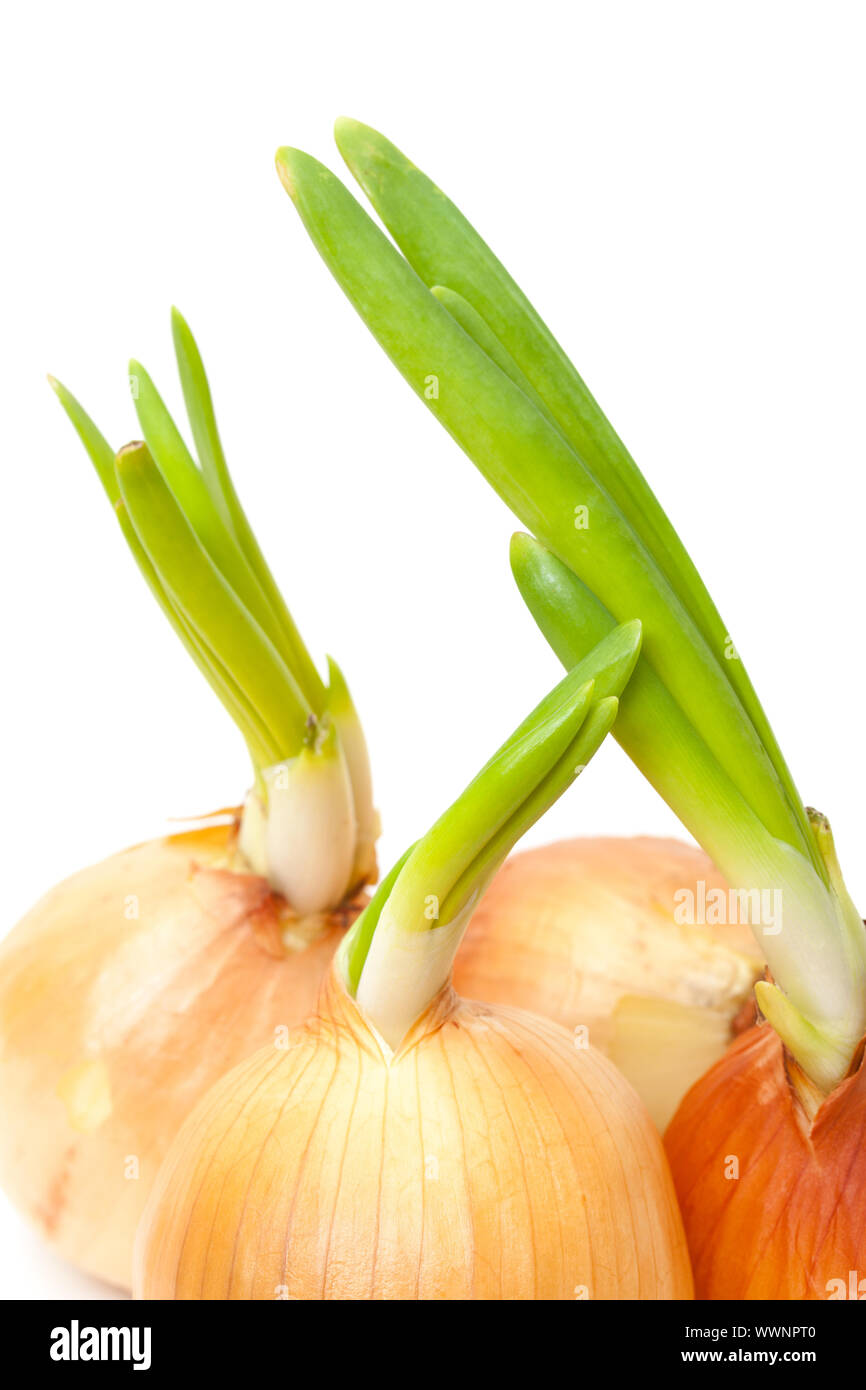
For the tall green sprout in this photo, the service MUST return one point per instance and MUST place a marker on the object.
(446, 310)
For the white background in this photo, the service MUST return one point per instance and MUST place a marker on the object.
(678, 187)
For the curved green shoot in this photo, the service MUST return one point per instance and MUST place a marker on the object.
(451, 851)
(651, 728)
(209, 505)
(187, 483)
(218, 481)
(262, 749)
(472, 882)
(815, 944)
(480, 332)
(207, 602)
(173, 458)
(444, 248)
(458, 843)
(98, 449)
(341, 710)
(401, 954)
(102, 456)
(537, 472)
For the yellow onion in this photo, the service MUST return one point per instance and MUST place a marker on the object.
(588, 933)
(124, 994)
(488, 1157)
(771, 1178)
(603, 550)
(407, 1144)
(133, 986)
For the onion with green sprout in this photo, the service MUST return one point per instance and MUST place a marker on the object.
(439, 302)
(409, 1144)
(135, 984)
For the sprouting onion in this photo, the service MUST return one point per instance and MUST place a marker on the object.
(408, 1144)
(690, 719)
(130, 988)
(189, 534)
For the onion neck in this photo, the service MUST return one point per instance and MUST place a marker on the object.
(406, 971)
(299, 827)
(817, 999)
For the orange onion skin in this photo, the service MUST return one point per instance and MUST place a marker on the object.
(488, 1158)
(124, 994)
(792, 1224)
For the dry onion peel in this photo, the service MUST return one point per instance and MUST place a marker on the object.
(407, 1144)
(769, 1178)
(124, 994)
(113, 989)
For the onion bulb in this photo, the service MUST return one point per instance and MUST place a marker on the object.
(124, 994)
(591, 933)
(486, 1158)
(134, 985)
(771, 1178)
(407, 1144)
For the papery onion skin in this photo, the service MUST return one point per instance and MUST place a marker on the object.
(581, 930)
(792, 1224)
(488, 1158)
(124, 994)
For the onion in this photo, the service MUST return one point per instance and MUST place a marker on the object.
(124, 994)
(406, 1144)
(136, 984)
(585, 932)
(487, 1158)
(770, 1178)
(603, 551)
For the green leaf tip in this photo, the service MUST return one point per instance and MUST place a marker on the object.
(290, 161)
(361, 144)
(339, 699)
(97, 447)
(346, 128)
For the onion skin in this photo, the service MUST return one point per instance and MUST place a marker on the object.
(581, 930)
(488, 1158)
(113, 1025)
(793, 1224)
